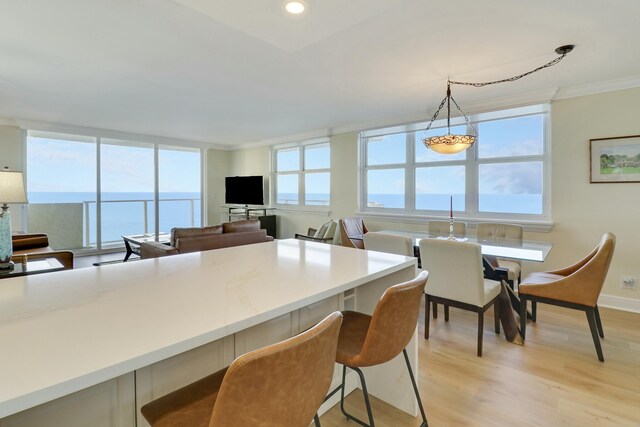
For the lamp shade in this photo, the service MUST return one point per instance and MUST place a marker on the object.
(12, 187)
(449, 144)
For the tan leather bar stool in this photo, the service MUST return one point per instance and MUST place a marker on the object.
(372, 340)
(283, 384)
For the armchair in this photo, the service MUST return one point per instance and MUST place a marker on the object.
(326, 233)
(351, 232)
(577, 286)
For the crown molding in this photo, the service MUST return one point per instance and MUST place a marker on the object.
(110, 133)
(7, 122)
(598, 87)
(295, 137)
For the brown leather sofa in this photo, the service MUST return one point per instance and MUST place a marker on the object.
(36, 246)
(184, 240)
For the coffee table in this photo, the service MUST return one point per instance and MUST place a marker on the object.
(132, 243)
(32, 267)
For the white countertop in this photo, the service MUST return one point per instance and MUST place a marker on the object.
(65, 331)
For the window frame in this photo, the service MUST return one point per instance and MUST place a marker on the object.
(301, 173)
(97, 139)
(471, 162)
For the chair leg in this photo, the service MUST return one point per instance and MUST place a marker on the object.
(496, 315)
(316, 420)
(426, 316)
(591, 318)
(523, 316)
(415, 389)
(534, 311)
(366, 399)
(480, 331)
(599, 322)
(435, 310)
(446, 313)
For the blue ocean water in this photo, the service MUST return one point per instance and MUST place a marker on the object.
(124, 213)
(498, 203)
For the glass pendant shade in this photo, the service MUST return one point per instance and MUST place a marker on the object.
(449, 144)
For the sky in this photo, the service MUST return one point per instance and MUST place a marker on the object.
(70, 166)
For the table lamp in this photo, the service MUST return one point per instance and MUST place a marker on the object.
(11, 191)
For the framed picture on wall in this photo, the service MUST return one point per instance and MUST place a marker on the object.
(615, 159)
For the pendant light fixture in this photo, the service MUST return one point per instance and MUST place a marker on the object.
(451, 143)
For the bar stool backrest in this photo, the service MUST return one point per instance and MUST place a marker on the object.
(499, 232)
(280, 385)
(394, 322)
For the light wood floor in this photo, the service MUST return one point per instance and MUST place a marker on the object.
(555, 379)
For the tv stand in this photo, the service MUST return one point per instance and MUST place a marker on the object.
(268, 222)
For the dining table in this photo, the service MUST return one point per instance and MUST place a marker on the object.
(518, 250)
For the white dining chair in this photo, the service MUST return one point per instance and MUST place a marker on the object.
(456, 279)
(389, 243)
(503, 233)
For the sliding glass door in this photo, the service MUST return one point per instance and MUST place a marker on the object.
(179, 187)
(126, 190)
(61, 186)
(88, 192)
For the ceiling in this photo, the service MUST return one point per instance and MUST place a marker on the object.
(237, 72)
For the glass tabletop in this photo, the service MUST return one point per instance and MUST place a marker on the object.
(525, 250)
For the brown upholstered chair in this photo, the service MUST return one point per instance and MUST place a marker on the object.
(505, 234)
(577, 286)
(372, 340)
(351, 232)
(283, 384)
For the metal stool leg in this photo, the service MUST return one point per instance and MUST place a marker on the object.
(415, 389)
(366, 399)
(316, 420)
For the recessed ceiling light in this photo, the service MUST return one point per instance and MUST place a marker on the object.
(295, 7)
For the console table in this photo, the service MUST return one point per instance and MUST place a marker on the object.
(91, 346)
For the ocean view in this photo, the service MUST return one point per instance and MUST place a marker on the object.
(124, 213)
(499, 203)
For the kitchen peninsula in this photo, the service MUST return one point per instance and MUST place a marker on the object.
(90, 346)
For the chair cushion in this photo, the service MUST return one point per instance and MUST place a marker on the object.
(512, 266)
(244, 225)
(191, 405)
(180, 232)
(352, 335)
(331, 231)
(491, 290)
(320, 232)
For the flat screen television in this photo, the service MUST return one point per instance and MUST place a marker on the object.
(244, 190)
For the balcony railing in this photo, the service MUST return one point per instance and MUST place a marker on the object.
(123, 221)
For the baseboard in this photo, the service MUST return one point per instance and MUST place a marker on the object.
(619, 303)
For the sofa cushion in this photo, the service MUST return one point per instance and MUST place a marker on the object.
(29, 241)
(244, 225)
(205, 243)
(177, 233)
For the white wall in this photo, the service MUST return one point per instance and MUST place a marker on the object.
(581, 211)
(217, 169)
(11, 155)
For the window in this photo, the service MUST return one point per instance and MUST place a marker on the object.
(87, 192)
(501, 177)
(302, 174)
